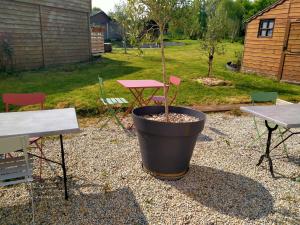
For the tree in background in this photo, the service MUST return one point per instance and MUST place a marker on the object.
(259, 5)
(95, 10)
(119, 14)
(190, 20)
(130, 17)
(136, 25)
(202, 18)
(160, 11)
(232, 12)
(185, 22)
(215, 31)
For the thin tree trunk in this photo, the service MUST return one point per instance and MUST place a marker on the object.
(125, 41)
(210, 61)
(125, 46)
(164, 71)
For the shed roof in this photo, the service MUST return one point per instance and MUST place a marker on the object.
(265, 10)
(102, 13)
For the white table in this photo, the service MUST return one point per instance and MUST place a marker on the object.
(40, 124)
(286, 116)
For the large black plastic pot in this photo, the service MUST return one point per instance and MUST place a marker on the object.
(167, 148)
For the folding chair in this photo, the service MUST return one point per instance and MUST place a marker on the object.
(111, 103)
(12, 99)
(174, 81)
(264, 97)
(18, 169)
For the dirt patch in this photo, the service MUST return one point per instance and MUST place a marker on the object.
(214, 82)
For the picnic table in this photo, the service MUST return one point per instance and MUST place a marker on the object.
(40, 124)
(286, 116)
(137, 88)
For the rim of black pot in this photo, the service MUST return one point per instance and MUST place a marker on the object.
(154, 121)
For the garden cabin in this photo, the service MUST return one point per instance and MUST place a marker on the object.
(112, 30)
(45, 32)
(272, 42)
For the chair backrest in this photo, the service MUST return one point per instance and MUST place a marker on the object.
(12, 144)
(101, 85)
(17, 169)
(23, 99)
(260, 97)
(175, 81)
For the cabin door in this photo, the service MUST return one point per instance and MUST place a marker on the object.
(291, 62)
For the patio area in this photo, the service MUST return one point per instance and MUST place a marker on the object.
(107, 185)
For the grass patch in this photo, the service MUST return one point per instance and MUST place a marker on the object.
(77, 85)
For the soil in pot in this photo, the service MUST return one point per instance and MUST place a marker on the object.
(173, 118)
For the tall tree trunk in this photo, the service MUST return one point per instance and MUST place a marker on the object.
(125, 46)
(210, 61)
(163, 59)
(124, 41)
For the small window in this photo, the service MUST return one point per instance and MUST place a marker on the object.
(266, 28)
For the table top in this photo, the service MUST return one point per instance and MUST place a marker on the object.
(287, 116)
(39, 123)
(141, 83)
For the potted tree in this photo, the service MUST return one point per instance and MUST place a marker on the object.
(167, 135)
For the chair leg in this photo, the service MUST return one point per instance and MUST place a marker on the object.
(40, 147)
(32, 203)
(105, 124)
(112, 113)
(284, 144)
(259, 135)
(119, 122)
(102, 117)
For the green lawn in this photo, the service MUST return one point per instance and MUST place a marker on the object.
(76, 85)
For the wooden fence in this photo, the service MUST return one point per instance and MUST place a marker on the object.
(97, 37)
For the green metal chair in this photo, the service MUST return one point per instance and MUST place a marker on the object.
(111, 104)
(264, 97)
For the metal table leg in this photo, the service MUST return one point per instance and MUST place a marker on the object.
(63, 165)
(268, 149)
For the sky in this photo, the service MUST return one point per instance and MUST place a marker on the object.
(105, 5)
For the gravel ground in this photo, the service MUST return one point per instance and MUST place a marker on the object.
(108, 186)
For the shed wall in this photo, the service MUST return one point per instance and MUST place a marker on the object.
(42, 35)
(65, 35)
(76, 5)
(295, 9)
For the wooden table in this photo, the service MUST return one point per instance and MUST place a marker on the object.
(137, 88)
(286, 116)
(40, 124)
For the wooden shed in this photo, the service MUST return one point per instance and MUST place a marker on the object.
(46, 32)
(112, 30)
(272, 43)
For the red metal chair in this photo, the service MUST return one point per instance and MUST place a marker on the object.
(12, 99)
(174, 81)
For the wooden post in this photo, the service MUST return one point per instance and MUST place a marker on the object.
(90, 36)
(285, 42)
(42, 35)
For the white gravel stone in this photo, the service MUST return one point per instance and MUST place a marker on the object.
(108, 186)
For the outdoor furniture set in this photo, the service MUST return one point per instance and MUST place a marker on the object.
(282, 116)
(21, 130)
(137, 89)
